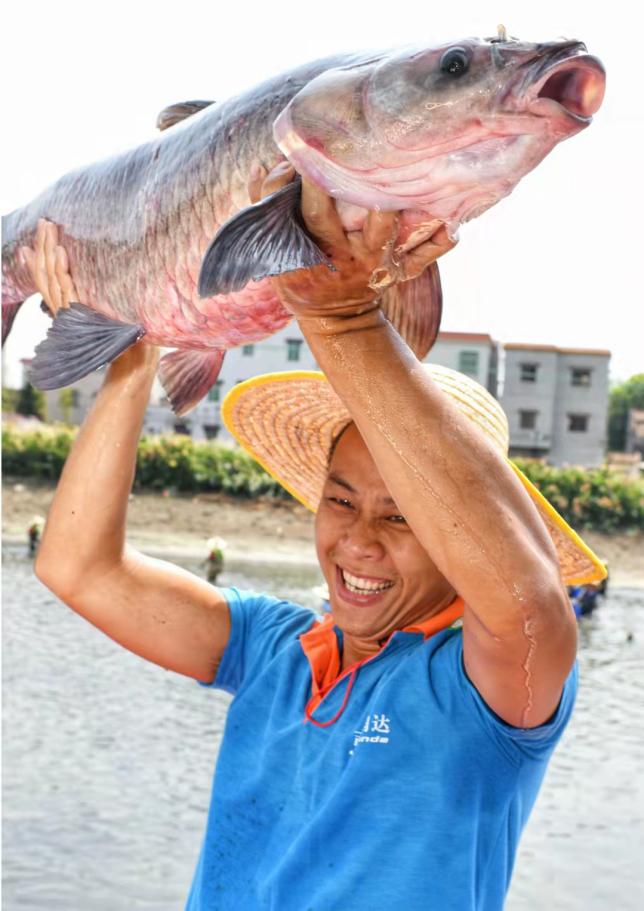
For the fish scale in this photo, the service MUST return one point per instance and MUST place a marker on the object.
(401, 130)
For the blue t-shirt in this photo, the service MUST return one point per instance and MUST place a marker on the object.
(413, 799)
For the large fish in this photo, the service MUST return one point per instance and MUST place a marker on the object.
(439, 133)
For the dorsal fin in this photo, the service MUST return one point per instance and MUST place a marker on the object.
(180, 111)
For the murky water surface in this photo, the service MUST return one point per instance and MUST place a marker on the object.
(108, 764)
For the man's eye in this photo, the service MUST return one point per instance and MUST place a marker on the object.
(397, 520)
(341, 501)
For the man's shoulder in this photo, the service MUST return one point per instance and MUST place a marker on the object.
(266, 610)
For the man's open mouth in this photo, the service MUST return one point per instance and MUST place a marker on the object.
(365, 587)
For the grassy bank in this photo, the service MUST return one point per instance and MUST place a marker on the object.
(596, 499)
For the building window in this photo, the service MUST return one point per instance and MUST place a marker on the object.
(529, 373)
(182, 427)
(580, 376)
(214, 393)
(211, 431)
(75, 397)
(578, 423)
(528, 420)
(468, 362)
(248, 350)
(293, 346)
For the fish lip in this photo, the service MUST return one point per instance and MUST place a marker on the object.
(583, 66)
(533, 75)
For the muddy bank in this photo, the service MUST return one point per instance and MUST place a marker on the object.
(262, 529)
(181, 524)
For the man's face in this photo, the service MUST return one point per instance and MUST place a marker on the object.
(380, 578)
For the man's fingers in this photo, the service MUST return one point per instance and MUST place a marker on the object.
(322, 220)
(64, 279)
(39, 263)
(417, 260)
(29, 259)
(281, 175)
(379, 228)
(49, 267)
(256, 179)
(55, 298)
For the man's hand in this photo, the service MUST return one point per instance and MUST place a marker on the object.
(356, 256)
(49, 267)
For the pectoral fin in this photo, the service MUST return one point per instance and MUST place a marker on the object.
(79, 340)
(265, 239)
(174, 113)
(187, 376)
(414, 308)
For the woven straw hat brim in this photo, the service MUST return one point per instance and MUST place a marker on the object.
(287, 422)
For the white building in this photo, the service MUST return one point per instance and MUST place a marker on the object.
(556, 400)
(471, 353)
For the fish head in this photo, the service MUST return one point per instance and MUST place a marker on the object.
(447, 130)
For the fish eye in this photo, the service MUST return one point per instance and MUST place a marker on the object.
(455, 61)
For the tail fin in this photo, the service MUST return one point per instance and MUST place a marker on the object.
(17, 282)
(8, 315)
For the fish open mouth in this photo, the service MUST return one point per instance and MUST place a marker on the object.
(573, 87)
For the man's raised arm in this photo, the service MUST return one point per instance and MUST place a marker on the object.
(151, 607)
(460, 497)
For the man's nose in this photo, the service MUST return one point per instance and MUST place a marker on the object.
(362, 540)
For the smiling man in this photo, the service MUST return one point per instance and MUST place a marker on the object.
(381, 757)
(380, 578)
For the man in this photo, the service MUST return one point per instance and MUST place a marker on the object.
(379, 759)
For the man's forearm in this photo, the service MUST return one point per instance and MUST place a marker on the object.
(86, 523)
(460, 497)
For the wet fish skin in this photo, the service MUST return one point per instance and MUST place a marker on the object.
(136, 226)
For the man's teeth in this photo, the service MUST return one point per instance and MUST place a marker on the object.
(361, 586)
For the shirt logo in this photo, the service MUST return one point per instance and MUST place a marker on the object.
(372, 730)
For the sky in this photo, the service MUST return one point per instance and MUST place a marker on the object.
(557, 262)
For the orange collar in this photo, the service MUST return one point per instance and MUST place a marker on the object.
(320, 645)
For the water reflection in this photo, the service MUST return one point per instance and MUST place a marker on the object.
(108, 763)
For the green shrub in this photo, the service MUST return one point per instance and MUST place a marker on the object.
(36, 453)
(598, 499)
(166, 462)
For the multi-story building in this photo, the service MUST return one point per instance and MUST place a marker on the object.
(556, 400)
(473, 353)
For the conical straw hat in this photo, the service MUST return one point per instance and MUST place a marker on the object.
(288, 422)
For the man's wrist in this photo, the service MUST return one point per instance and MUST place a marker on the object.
(339, 324)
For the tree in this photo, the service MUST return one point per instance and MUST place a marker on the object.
(9, 399)
(622, 398)
(31, 402)
(66, 402)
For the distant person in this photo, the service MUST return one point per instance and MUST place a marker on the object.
(588, 599)
(215, 559)
(34, 532)
(584, 599)
(378, 758)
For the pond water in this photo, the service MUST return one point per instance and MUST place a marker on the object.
(108, 763)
